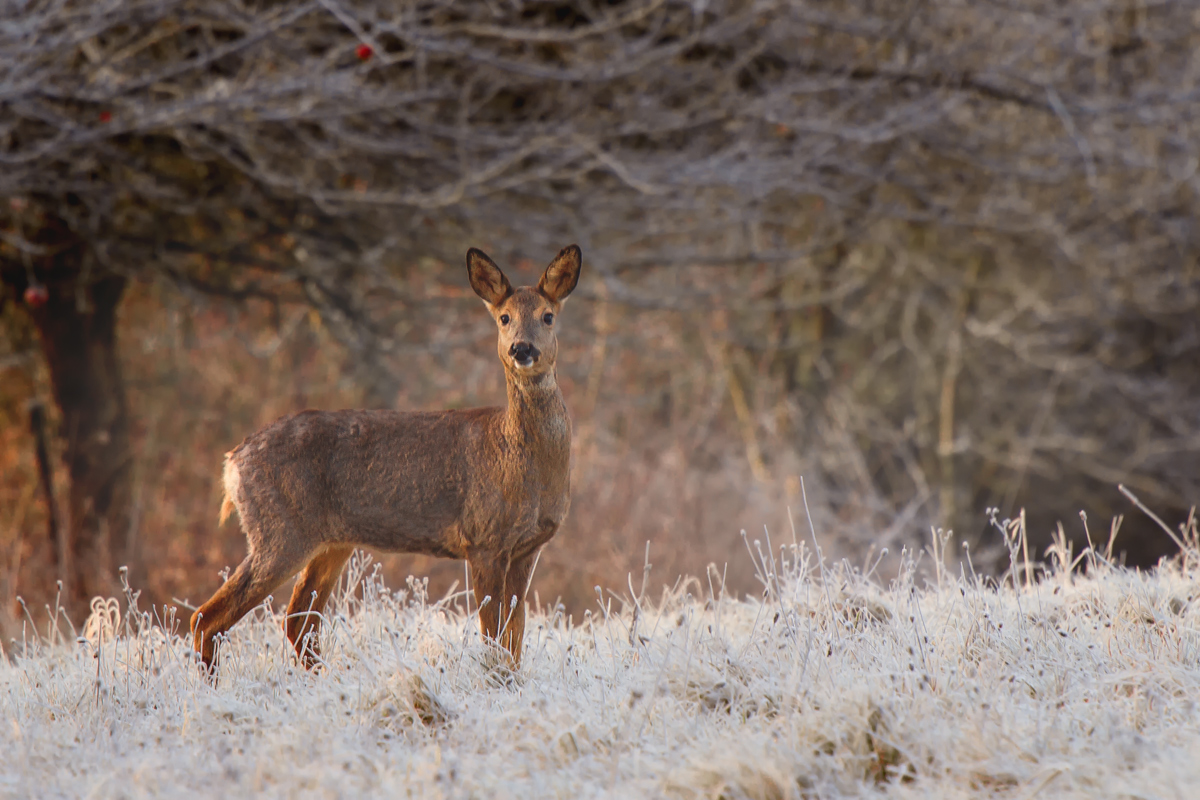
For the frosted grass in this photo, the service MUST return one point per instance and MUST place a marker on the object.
(828, 685)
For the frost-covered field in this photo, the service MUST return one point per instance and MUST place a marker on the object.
(828, 686)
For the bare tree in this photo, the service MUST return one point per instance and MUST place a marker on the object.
(955, 244)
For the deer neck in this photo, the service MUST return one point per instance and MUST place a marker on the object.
(536, 416)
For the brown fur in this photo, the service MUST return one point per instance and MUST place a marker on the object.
(491, 485)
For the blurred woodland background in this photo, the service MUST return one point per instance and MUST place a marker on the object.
(932, 256)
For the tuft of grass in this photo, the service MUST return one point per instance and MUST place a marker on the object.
(1047, 683)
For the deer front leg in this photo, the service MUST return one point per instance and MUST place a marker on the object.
(504, 580)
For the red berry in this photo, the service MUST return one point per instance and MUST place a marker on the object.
(36, 295)
(364, 52)
(106, 116)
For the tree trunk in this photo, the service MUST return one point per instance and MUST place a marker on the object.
(76, 319)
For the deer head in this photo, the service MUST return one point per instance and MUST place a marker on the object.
(526, 316)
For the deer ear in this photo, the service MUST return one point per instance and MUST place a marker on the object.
(486, 278)
(562, 274)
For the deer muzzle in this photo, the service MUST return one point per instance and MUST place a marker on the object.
(523, 354)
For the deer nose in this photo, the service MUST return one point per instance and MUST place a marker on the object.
(523, 353)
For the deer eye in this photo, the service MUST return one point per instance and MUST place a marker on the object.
(504, 319)
(548, 318)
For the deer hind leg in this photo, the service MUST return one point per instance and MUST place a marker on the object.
(254, 579)
(502, 619)
(308, 601)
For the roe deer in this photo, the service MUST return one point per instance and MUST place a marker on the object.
(491, 485)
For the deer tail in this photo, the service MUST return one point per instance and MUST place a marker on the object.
(232, 480)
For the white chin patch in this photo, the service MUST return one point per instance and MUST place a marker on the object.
(526, 364)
